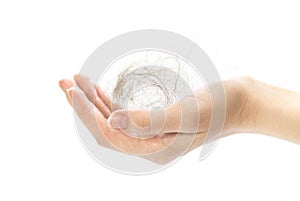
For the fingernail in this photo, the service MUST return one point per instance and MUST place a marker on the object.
(70, 92)
(118, 120)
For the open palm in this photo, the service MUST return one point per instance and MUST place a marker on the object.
(94, 108)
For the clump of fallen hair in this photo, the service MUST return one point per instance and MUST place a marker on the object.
(145, 87)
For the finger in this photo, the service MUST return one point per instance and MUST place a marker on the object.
(183, 116)
(66, 84)
(92, 118)
(107, 100)
(88, 88)
(104, 97)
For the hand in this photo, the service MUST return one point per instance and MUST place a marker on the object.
(94, 108)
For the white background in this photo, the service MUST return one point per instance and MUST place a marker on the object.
(41, 157)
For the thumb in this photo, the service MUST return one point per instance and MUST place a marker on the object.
(183, 116)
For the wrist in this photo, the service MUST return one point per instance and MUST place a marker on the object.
(241, 105)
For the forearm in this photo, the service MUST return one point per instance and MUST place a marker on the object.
(255, 107)
(274, 112)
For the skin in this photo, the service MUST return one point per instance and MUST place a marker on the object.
(251, 106)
